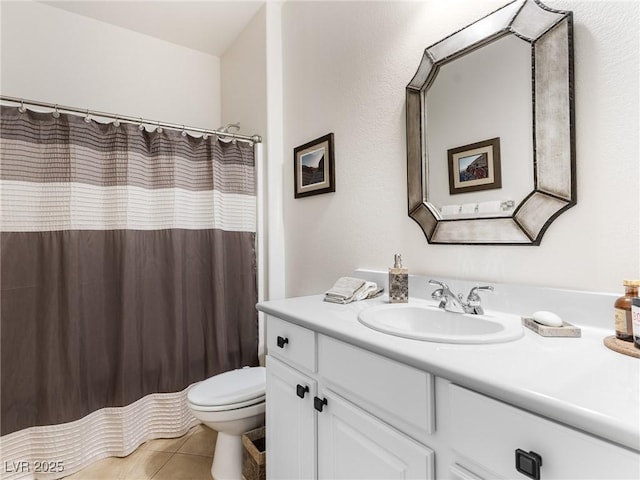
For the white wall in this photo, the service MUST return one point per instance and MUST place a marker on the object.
(244, 78)
(252, 95)
(54, 56)
(346, 65)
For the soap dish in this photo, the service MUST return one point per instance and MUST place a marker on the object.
(566, 330)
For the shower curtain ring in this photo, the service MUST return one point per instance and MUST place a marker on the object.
(158, 128)
(116, 122)
(22, 108)
(184, 132)
(141, 125)
(56, 113)
(87, 118)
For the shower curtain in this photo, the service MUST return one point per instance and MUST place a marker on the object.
(127, 264)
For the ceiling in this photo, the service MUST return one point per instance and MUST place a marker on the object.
(209, 26)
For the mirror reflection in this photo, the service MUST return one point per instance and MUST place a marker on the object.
(461, 110)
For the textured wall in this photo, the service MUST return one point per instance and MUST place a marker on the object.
(346, 65)
(55, 56)
(244, 78)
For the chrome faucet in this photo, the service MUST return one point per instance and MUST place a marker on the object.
(451, 302)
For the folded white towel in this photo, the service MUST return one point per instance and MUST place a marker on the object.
(468, 208)
(450, 209)
(490, 207)
(350, 289)
(346, 287)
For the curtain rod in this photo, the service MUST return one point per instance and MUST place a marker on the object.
(129, 119)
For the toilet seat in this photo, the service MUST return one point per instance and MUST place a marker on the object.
(229, 390)
(232, 406)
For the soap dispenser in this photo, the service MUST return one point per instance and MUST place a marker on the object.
(398, 281)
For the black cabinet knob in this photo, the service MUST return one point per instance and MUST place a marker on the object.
(282, 341)
(319, 403)
(300, 390)
(528, 463)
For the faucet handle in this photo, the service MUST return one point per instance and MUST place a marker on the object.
(473, 299)
(481, 287)
(440, 284)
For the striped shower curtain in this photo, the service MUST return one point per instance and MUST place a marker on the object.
(128, 264)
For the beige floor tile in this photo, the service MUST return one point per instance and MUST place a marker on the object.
(201, 441)
(185, 467)
(140, 465)
(164, 444)
(198, 428)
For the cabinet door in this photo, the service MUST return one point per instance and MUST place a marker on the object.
(291, 426)
(355, 445)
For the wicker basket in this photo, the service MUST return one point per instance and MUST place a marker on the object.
(254, 459)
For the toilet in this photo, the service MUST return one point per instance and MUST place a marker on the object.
(230, 403)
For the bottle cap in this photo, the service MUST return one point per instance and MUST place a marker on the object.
(397, 261)
(631, 283)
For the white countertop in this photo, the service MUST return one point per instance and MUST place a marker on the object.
(576, 381)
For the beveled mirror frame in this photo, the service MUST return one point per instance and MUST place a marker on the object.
(550, 33)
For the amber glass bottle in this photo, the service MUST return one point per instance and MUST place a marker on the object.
(622, 309)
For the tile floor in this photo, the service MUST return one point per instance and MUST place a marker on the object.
(185, 458)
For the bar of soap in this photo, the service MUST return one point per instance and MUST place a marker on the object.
(547, 318)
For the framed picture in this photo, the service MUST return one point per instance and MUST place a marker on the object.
(313, 167)
(475, 167)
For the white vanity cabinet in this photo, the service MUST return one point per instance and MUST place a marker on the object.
(338, 411)
(349, 423)
(486, 434)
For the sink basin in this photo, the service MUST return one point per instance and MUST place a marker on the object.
(431, 324)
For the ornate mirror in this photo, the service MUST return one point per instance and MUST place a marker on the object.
(490, 135)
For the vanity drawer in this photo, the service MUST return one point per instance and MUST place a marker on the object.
(398, 394)
(488, 432)
(291, 343)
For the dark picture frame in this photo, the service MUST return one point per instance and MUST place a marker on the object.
(313, 167)
(475, 167)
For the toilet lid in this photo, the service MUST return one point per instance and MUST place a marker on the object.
(232, 387)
